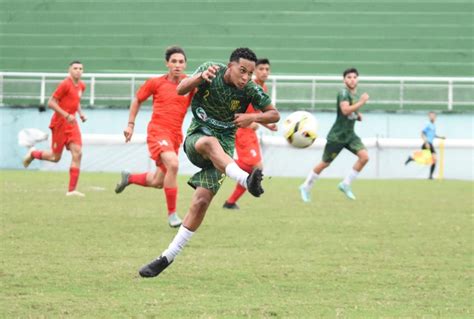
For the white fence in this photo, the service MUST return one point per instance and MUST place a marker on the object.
(108, 152)
(287, 91)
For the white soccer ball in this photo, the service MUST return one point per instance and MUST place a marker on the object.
(300, 129)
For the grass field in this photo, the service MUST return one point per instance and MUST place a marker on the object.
(403, 249)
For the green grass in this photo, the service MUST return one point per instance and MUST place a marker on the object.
(403, 249)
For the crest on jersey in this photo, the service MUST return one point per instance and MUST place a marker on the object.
(201, 114)
(234, 105)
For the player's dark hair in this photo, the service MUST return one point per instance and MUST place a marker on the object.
(75, 62)
(350, 70)
(172, 50)
(243, 53)
(262, 61)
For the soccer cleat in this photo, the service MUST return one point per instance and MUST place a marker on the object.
(254, 182)
(123, 182)
(304, 192)
(174, 220)
(408, 160)
(346, 189)
(28, 158)
(228, 205)
(154, 268)
(75, 193)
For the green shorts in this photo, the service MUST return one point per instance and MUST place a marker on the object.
(209, 177)
(332, 149)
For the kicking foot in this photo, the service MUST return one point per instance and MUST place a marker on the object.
(28, 158)
(305, 195)
(174, 220)
(228, 205)
(409, 159)
(346, 189)
(123, 182)
(75, 193)
(154, 268)
(254, 182)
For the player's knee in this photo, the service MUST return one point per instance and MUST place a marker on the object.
(201, 203)
(364, 158)
(56, 158)
(173, 166)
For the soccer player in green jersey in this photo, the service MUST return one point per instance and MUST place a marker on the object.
(223, 95)
(341, 136)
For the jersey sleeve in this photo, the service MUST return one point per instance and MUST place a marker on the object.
(145, 91)
(259, 98)
(61, 90)
(83, 86)
(203, 67)
(343, 95)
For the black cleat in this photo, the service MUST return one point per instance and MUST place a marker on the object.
(123, 182)
(254, 182)
(154, 268)
(408, 160)
(228, 205)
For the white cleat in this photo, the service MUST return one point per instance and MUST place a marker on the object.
(28, 158)
(174, 220)
(75, 193)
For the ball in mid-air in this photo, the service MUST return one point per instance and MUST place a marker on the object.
(300, 129)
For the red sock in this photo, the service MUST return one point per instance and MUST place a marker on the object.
(238, 192)
(73, 178)
(138, 179)
(171, 196)
(37, 154)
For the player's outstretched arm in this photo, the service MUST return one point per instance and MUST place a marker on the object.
(347, 109)
(128, 131)
(189, 84)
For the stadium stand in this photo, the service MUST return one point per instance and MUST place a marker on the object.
(428, 38)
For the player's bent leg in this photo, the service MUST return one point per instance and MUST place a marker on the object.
(363, 159)
(201, 199)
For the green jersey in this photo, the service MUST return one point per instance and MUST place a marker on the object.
(215, 104)
(343, 129)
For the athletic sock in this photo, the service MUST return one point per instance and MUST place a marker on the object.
(351, 177)
(432, 169)
(171, 196)
(236, 173)
(178, 243)
(73, 178)
(138, 179)
(310, 179)
(37, 154)
(238, 192)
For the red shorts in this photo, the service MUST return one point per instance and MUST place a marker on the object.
(63, 134)
(247, 147)
(160, 140)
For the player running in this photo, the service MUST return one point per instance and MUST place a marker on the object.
(246, 140)
(223, 91)
(65, 102)
(164, 136)
(341, 136)
(428, 135)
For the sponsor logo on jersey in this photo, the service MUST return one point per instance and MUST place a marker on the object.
(234, 105)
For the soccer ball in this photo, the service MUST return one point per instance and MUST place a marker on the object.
(300, 128)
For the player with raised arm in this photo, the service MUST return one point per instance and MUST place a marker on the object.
(164, 134)
(223, 95)
(341, 136)
(428, 135)
(247, 146)
(65, 102)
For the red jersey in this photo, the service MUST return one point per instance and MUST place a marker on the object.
(169, 108)
(68, 96)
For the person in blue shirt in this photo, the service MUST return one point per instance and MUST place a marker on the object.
(428, 135)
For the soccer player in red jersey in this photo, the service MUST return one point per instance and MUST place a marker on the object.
(246, 140)
(65, 102)
(164, 135)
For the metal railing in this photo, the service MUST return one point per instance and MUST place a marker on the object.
(287, 91)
